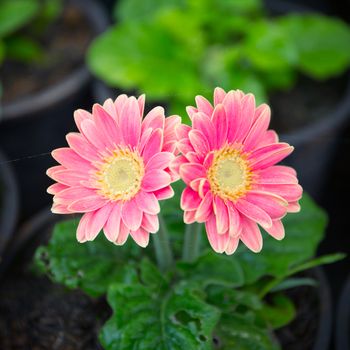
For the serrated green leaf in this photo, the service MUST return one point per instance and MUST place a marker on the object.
(144, 319)
(212, 268)
(278, 312)
(295, 282)
(239, 333)
(15, 14)
(322, 43)
(91, 266)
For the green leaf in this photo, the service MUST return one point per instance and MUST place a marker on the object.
(279, 312)
(23, 49)
(268, 47)
(2, 52)
(91, 266)
(145, 57)
(144, 318)
(135, 10)
(304, 231)
(212, 268)
(15, 14)
(322, 260)
(322, 43)
(295, 282)
(239, 333)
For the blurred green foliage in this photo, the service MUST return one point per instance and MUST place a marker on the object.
(20, 22)
(236, 299)
(174, 50)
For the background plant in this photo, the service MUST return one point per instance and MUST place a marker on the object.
(21, 22)
(237, 299)
(176, 49)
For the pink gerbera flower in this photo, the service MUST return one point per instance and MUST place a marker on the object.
(116, 170)
(228, 164)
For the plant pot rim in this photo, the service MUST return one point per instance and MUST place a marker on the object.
(325, 125)
(343, 318)
(69, 84)
(9, 196)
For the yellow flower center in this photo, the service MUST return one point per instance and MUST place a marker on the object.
(120, 175)
(229, 176)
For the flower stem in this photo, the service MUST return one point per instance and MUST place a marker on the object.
(162, 248)
(192, 242)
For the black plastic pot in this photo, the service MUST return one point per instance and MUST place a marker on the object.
(316, 144)
(343, 319)
(33, 126)
(8, 203)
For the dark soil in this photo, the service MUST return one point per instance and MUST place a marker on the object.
(36, 314)
(302, 332)
(64, 44)
(305, 103)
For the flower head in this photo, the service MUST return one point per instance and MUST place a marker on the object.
(228, 164)
(115, 170)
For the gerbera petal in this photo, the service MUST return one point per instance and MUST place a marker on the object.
(107, 125)
(189, 217)
(160, 160)
(112, 225)
(87, 204)
(70, 159)
(155, 180)
(147, 202)
(164, 193)
(253, 212)
(232, 245)
(273, 205)
(141, 102)
(69, 177)
(150, 223)
(56, 188)
(276, 175)
(191, 111)
(191, 171)
(79, 144)
(205, 208)
(123, 234)
(247, 117)
(269, 155)
(232, 103)
(219, 242)
(258, 129)
(219, 95)
(251, 235)
(93, 134)
(131, 215)
(204, 105)
(276, 230)
(291, 193)
(234, 221)
(293, 207)
(81, 230)
(221, 213)
(199, 142)
(189, 199)
(203, 123)
(155, 119)
(79, 116)
(219, 121)
(153, 145)
(130, 122)
(96, 222)
(141, 237)
(71, 194)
